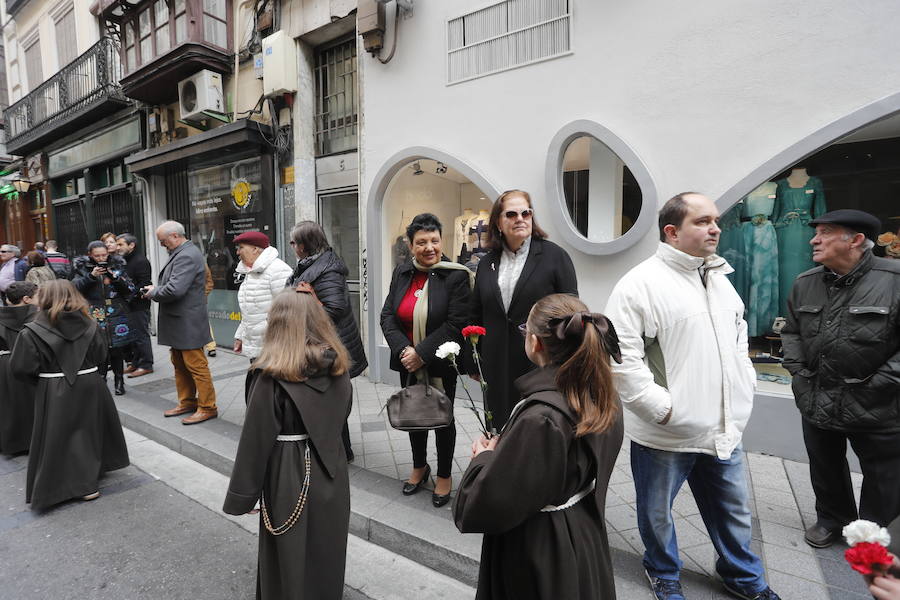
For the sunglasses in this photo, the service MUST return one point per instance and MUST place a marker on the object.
(514, 214)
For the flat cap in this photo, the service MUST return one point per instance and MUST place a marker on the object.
(857, 220)
(254, 238)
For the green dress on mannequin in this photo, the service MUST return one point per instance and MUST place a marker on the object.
(795, 207)
(731, 248)
(762, 253)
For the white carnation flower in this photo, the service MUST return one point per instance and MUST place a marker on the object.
(866, 531)
(447, 349)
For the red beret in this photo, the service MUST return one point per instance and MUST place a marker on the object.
(254, 238)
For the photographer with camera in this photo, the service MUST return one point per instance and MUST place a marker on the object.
(102, 279)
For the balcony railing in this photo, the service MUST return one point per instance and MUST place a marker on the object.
(89, 80)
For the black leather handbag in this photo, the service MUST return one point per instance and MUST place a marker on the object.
(419, 407)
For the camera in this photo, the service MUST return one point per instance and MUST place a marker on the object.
(102, 265)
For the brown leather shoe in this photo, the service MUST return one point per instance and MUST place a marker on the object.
(128, 369)
(182, 408)
(139, 372)
(202, 414)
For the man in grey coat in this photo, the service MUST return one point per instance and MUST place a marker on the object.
(183, 323)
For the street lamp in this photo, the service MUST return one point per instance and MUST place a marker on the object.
(21, 184)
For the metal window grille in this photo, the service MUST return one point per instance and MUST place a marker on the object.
(507, 35)
(71, 231)
(116, 211)
(337, 118)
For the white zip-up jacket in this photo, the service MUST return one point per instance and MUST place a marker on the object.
(261, 282)
(684, 348)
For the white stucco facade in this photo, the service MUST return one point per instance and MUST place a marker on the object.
(710, 96)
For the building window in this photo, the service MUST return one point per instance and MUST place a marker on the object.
(215, 28)
(130, 50)
(161, 26)
(146, 42)
(15, 79)
(336, 112)
(180, 21)
(66, 45)
(507, 35)
(33, 68)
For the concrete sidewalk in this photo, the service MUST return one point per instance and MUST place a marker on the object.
(782, 498)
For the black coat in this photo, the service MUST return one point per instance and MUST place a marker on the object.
(77, 434)
(16, 395)
(308, 560)
(109, 297)
(138, 268)
(328, 277)
(842, 346)
(548, 270)
(528, 554)
(448, 298)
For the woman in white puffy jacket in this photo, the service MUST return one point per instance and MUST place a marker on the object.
(264, 275)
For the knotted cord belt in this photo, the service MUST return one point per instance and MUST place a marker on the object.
(573, 500)
(301, 500)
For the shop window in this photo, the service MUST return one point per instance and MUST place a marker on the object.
(336, 98)
(431, 186)
(766, 234)
(603, 198)
(601, 195)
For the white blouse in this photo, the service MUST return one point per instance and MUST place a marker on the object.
(511, 265)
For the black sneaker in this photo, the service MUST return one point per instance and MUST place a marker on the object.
(665, 589)
(766, 594)
(821, 536)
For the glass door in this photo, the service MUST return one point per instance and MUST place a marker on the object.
(339, 217)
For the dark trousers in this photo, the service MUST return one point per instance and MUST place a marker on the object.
(879, 457)
(115, 362)
(444, 438)
(140, 352)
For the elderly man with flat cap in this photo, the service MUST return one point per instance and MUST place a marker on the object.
(842, 346)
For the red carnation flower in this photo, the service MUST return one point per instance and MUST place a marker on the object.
(866, 557)
(471, 330)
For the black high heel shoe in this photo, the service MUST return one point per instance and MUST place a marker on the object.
(411, 488)
(439, 500)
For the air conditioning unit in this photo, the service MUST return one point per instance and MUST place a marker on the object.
(200, 92)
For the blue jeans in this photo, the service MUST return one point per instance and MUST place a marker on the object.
(720, 490)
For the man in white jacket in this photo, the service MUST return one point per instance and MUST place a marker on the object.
(687, 383)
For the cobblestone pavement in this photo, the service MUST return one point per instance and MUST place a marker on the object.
(782, 502)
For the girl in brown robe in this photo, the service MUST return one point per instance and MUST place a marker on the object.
(538, 491)
(77, 435)
(16, 396)
(290, 458)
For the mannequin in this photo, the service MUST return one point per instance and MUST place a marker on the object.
(731, 248)
(799, 198)
(761, 244)
(460, 227)
(477, 227)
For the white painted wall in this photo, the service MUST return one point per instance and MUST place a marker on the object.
(704, 92)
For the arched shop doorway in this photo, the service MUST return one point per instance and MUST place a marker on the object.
(459, 197)
(765, 235)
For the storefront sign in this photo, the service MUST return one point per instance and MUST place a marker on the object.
(116, 141)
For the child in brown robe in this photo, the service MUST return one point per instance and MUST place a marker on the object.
(290, 458)
(538, 490)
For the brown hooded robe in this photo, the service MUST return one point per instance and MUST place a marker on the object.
(308, 561)
(16, 395)
(77, 435)
(526, 553)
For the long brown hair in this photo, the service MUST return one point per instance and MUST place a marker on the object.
(580, 349)
(59, 295)
(494, 236)
(299, 336)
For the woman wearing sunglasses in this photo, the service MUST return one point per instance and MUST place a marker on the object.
(522, 267)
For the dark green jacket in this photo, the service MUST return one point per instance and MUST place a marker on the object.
(842, 345)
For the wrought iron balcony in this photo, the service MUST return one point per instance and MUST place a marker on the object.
(85, 89)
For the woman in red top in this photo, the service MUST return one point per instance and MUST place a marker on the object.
(414, 331)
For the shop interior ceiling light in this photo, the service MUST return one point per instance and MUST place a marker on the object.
(441, 168)
(417, 168)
